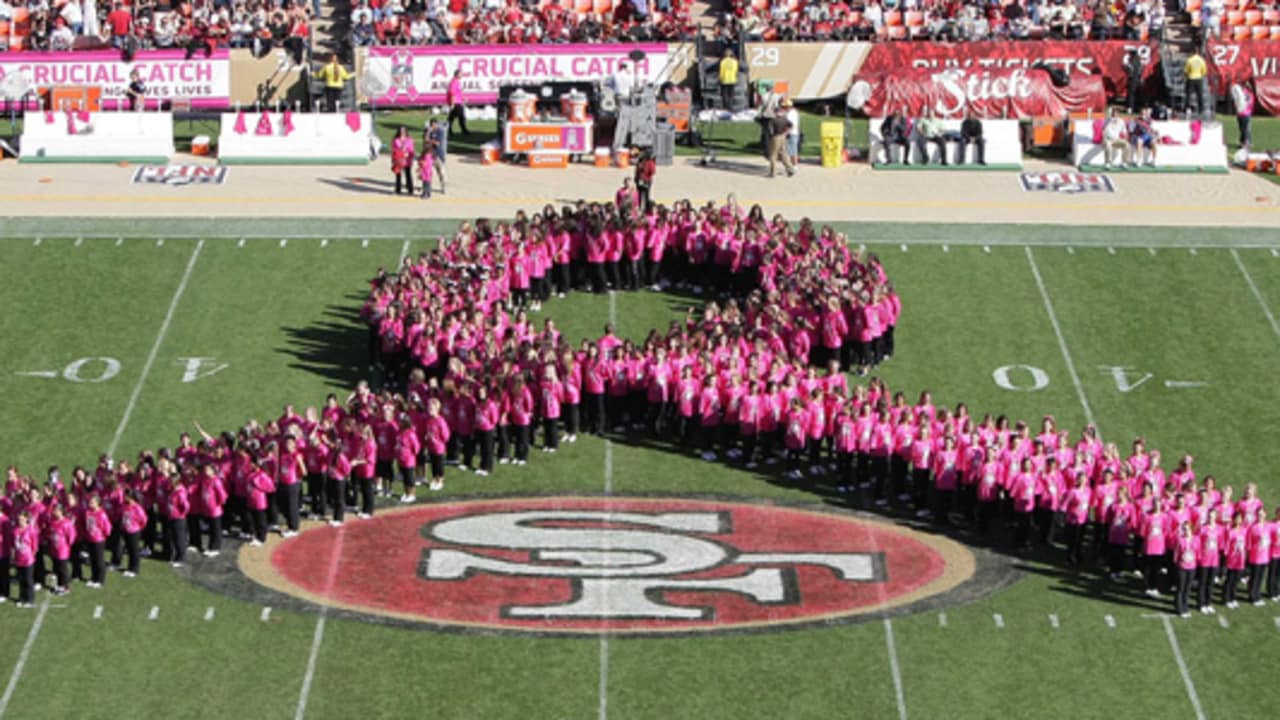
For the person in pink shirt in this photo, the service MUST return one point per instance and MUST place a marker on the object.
(946, 479)
(6, 550)
(339, 466)
(1236, 555)
(435, 439)
(550, 393)
(796, 435)
(522, 404)
(1186, 554)
(1259, 539)
(366, 472)
(97, 527)
(1023, 490)
(1156, 543)
(26, 541)
(1121, 519)
(1211, 545)
(291, 469)
(402, 156)
(486, 420)
(1049, 494)
(1075, 508)
(261, 485)
(60, 536)
(316, 456)
(177, 506)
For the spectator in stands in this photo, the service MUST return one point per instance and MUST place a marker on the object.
(1211, 18)
(929, 130)
(1114, 139)
(971, 134)
(362, 34)
(120, 23)
(71, 14)
(1196, 73)
(729, 80)
(895, 130)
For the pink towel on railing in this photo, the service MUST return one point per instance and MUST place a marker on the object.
(71, 123)
(48, 117)
(1196, 128)
(353, 121)
(240, 127)
(82, 116)
(1098, 124)
(286, 123)
(264, 124)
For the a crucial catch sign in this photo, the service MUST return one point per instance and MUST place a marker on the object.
(178, 175)
(617, 565)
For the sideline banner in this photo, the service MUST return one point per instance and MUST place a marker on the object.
(421, 75)
(1078, 58)
(1233, 62)
(812, 71)
(1267, 92)
(166, 73)
(995, 93)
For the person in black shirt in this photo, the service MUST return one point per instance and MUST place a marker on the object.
(1133, 70)
(137, 91)
(971, 134)
(894, 131)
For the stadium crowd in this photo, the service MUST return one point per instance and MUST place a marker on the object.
(754, 378)
(197, 26)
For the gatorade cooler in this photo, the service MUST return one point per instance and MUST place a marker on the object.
(832, 144)
(602, 157)
(573, 105)
(622, 158)
(520, 106)
(490, 153)
(200, 145)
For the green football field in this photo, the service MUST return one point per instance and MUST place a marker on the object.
(118, 334)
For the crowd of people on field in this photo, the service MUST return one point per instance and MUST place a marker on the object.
(755, 377)
(197, 26)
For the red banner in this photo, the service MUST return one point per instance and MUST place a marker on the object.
(1078, 58)
(1233, 62)
(1267, 92)
(1015, 93)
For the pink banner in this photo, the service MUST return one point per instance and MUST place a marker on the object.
(421, 75)
(951, 93)
(167, 74)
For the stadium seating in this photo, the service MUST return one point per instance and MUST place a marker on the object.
(1003, 151)
(97, 137)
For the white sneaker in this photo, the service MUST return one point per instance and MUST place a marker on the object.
(1213, 610)
(503, 461)
(1204, 611)
(129, 574)
(406, 499)
(256, 543)
(335, 523)
(216, 553)
(363, 516)
(1259, 603)
(464, 468)
(93, 585)
(1185, 615)
(571, 438)
(177, 564)
(482, 473)
(522, 462)
(288, 534)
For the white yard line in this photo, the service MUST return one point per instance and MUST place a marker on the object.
(1257, 294)
(404, 253)
(317, 638)
(602, 703)
(1062, 341)
(1182, 668)
(22, 656)
(155, 350)
(893, 667)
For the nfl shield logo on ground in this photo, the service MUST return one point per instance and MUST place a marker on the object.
(1067, 182)
(180, 175)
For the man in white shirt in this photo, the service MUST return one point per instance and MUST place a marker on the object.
(1115, 136)
(793, 132)
(624, 81)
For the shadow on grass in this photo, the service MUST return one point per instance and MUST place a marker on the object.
(335, 348)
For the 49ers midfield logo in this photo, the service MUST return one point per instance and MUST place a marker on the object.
(617, 565)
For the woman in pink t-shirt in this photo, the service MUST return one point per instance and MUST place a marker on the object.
(1186, 554)
(1210, 560)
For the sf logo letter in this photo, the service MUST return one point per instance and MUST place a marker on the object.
(618, 564)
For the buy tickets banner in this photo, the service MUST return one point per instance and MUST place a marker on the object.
(995, 93)
(167, 74)
(421, 75)
(1078, 58)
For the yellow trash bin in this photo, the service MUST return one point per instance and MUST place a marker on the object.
(832, 143)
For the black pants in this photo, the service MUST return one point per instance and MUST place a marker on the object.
(1151, 570)
(367, 495)
(1229, 585)
(214, 530)
(551, 433)
(457, 112)
(1075, 542)
(27, 584)
(1116, 559)
(316, 493)
(1132, 99)
(595, 413)
(332, 96)
(60, 574)
(1183, 594)
(5, 574)
(76, 562)
(1245, 122)
(922, 144)
(727, 93)
(980, 150)
(132, 541)
(521, 433)
(486, 450)
(177, 539)
(1273, 579)
(97, 561)
(259, 519)
(1204, 576)
(338, 498)
(644, 189)
(406, 478)
(407, 175)
(290, 497)
(1257, 574)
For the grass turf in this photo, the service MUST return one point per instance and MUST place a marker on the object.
(283, 318)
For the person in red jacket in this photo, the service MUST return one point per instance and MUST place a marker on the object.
(97, 528)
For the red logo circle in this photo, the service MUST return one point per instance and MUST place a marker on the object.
(613, 564)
